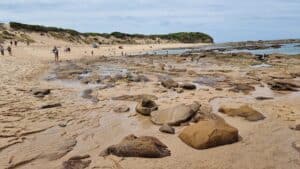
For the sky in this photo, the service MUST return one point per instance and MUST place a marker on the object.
(224, 20)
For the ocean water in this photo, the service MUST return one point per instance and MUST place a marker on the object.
(289, 49)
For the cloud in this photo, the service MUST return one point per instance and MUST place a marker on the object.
(226, 20)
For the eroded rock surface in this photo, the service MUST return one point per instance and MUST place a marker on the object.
(244, 111)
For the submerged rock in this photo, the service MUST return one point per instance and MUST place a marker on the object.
(208, 134)
(244, 111)
(144, 146)
(167, 129)
(146, 106)
(176, 115)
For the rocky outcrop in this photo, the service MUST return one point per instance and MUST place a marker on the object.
(245, 88)
(208, 134)
(144, 146)
(284, 85)
(146, 106)
(175, 115)
(244, 111)
(40, 92)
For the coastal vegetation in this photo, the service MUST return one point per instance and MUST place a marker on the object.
(91, 37)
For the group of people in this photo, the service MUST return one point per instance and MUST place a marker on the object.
(2, 50)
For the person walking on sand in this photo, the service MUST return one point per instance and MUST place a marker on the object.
(9, 50)
(2, 50)
(16, 43)
(56, 55)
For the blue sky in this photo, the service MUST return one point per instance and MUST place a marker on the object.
(225, 20)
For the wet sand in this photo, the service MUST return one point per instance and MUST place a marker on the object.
(44, 138)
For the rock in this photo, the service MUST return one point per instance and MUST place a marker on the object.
(167, 129)
(208, 134)
(87, 94)
(146, 106)
(284, 85)
(263, 98)
(179, 90)
(175, 115)
(121, 109)
(144, 146)
(77, 163)
(138, 78)
(93, 79)
(40, 92)
(296, 145)
(296, 125)
(53, 105)
(245, 88)
(244, 111)
(188, 86)
(177, 70)
(169, 83)
(136, 98)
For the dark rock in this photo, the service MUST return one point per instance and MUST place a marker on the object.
(296, 125)
(146, 106)
(263, 98)
(40, 92)
(53, 105)
(188, 86)
(244, 111)
(167, 129)
(284, 85)
(144, 146)
(208, 134)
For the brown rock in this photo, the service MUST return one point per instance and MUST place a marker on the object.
(121, 109)
(169, 83)
(146, 106)
(207, 134)
(167, 129)
(175, 115)
(245, 88)
(188, 86)
(132, 146)
(77, 162)
(244, 111)
(136, 98)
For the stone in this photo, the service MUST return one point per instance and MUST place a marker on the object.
(40, 92)
(51, 105)
(133, 146)
(176, 115)
(188, 86)
(169, 83)
(136, 98)
(77, 162)
(138, 78)
(284, 85)
(296, 145)
(121, 109)
(167, 129)
(208, 134)
(245, 88)
(263, 98)
(244, 111)
(296, 125)
(87, 93)
(146, 106)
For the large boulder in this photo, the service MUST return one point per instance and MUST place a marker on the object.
(175, 115)
(207, 134)
(146, 106)
(169, 83)
(244, 111)
(132, 146)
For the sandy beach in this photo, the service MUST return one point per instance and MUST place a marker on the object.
(34, 136)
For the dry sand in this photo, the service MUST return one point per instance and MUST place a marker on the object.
(32, 138)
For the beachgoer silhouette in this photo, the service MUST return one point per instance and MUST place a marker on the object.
(9, 50)
(2, 50)
(56, 53)
(16, 43)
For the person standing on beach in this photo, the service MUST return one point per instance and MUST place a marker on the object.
(16, 43)
(56, 54)
(9, 50)
(2, 50)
